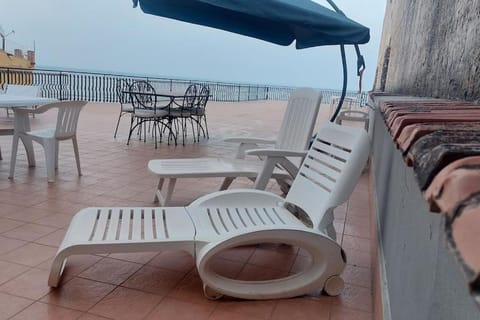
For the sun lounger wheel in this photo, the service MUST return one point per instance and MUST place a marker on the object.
(210, 293)
(334, 286)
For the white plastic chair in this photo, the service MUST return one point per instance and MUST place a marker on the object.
(228, 219)
(287, 150)
(66, 129)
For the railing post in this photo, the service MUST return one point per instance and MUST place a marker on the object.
(61, 86)
(266, 92)
(238, 93)
(69, 86)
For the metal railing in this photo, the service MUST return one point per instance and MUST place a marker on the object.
(100, 87)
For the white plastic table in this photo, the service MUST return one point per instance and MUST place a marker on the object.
(21, 119)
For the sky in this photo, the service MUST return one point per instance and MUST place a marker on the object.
(111, 36)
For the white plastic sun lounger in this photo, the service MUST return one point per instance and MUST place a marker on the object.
(293, 138)
(232, 218)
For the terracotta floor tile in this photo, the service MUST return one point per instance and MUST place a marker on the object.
(30, 254)
(190, 289)
(126, 304)
(11, 305)
(42, 311)
(173, 260)
(7, 244)
(88, 316)
(240, 254)
(29, 232)
(354, 297)
(9, 224)
(7, 208)
(301, 309)
(340, 212)
(55, 220)
(110, 271)
(226, 268)
(361, 231)
(301, 263)
(362, 221)
(53, 239)
(261, 309)
(257, 273)
(137, 257)
(31, 284)
(339, 313)
(339, 226)
(180, 310)
(358, 276)
(358, 258)
(272, 259)
(278, 247)
(221, 315)
(9, 271)
(79, 294)
(154, 280)
(26, 214)
(75, 265)
(359, 208)
(356, 243)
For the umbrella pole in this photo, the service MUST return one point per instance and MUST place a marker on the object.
(344, 88)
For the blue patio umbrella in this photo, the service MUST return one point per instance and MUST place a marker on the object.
(277, 21)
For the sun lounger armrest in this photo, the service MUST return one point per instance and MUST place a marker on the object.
(275, 153)
(274, 158)
(238, 197)
(250, 140)
(247, 144)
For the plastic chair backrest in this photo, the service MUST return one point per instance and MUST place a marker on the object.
(330, 170)
(299, 119)
(142, 96)
(67, 118)
(23, 90)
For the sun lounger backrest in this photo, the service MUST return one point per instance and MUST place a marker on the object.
(330, 171)
(23, 90)
(299, 119)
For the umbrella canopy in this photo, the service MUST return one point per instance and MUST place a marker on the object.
(277, 21)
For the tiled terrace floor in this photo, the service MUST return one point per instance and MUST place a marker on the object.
(151, 285)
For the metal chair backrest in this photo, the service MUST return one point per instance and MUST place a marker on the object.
(67, 118)
(23, 90)
(330, 170)
(121, 90)
(299, 119)
(142, 95)
(202, 97)
(190, 96)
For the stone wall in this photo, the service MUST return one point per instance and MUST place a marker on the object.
(431, 48)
